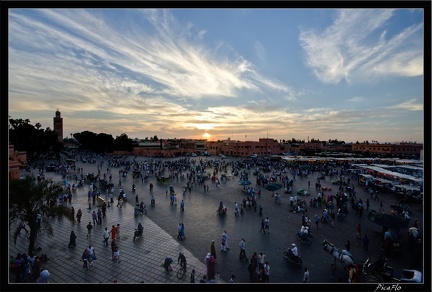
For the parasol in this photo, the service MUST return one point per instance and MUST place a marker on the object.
(386, 220)
(273, 187)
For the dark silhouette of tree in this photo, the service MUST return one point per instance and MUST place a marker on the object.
(27, 198)
(26, 137)
(123, 143)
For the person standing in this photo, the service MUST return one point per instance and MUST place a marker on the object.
(89, 229)
(358, 228)
(72, 238)
(348, 245)
(106, 236)
(306, 275)
(260, 211)
(72, 215)
(365, 243)
(367, 204)
(213, 250)
(192, 276)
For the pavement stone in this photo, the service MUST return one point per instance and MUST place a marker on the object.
(142, 259)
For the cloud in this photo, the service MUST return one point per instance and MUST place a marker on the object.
(356, 99)
(409, 105)
(260, 51)
(157, 60)
(349, 49)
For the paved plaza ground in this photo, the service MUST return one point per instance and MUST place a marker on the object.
(142, 259)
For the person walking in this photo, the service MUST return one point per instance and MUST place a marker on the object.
(116, 254)
(113, 245)
(94, 217)
(212, 270)
(118, 231)
(22, 225)
(213, 250)
(113, 232)
(84, 258)
(267, 224)
(182, 203)
(366, 243)
(99, 217)
(261, 260)
(225, 236)
(260, 211)
(89, 229)
(242, 246)
(367, 204)
(182, 231)
(266, 272)
(207, 262)
(79, 215)
(192, 276)
(262, 225)
(306, 275)
(251, 269)
(317, 220)
(72, 238)
(358, 229)
(106, 236)
(179, 231)
(91, 254)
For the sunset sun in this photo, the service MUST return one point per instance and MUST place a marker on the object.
(206, 135)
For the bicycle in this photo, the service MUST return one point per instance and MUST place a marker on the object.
(41, 230)
(181, 272)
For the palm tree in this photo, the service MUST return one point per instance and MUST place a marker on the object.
(27, 198)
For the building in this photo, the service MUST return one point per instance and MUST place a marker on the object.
(264, 147)
(402, 148)
(17, 159)
(58, 125)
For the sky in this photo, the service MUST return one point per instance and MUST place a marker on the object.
(346, 74)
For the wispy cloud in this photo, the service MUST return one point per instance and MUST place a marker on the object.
(356, 99)
(349, 50)
(409, 105)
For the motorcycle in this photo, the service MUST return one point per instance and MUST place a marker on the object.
(290, 256)
(304, 239)
(221, 211)
(153, 202)
(137, 233)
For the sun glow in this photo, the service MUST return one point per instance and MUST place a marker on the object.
(206, 135)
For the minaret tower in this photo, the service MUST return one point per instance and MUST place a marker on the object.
(58, 125)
